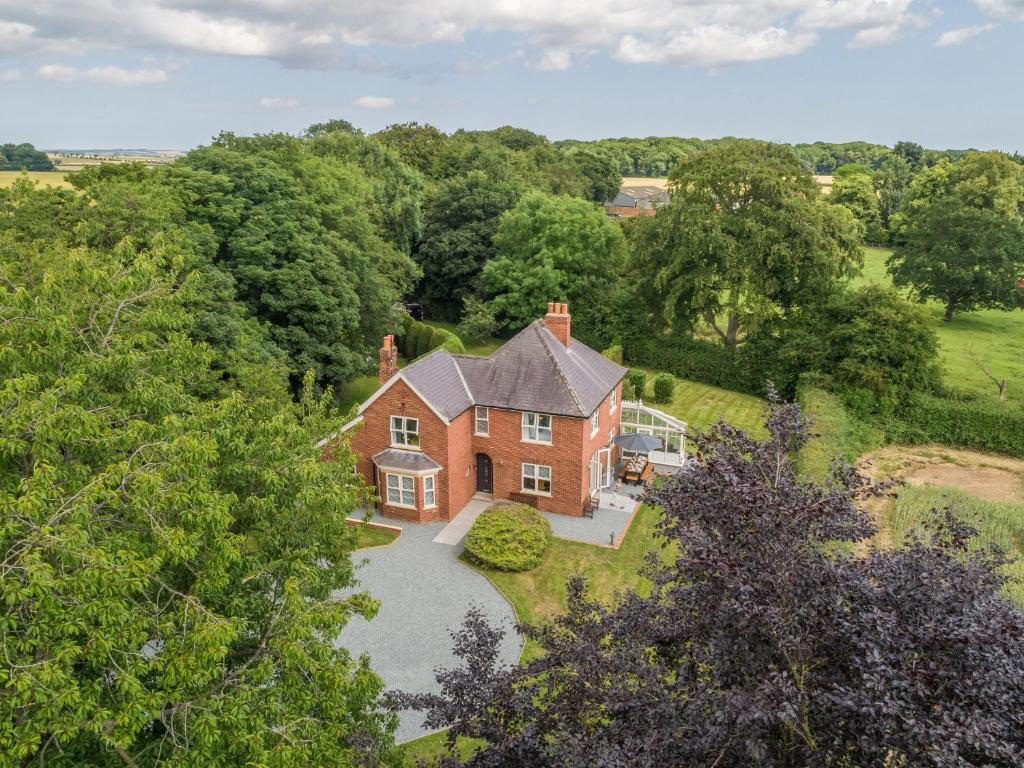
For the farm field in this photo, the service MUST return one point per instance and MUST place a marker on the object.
(47, 178)
(994, 338)
(986, 491)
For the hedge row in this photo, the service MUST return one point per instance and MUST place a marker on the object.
(746, 368)
(418, 339)
(961, 423)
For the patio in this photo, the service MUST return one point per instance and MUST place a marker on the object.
(610, 521)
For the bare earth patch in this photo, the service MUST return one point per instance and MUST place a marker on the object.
(987, 476)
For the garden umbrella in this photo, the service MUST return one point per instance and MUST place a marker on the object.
(638, 443)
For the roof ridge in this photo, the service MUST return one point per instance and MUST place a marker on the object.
(462, 378)
(539, 326)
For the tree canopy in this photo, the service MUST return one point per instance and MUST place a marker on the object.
(745, 237)
(959, 235)
(171, 546)
(760, 641)
(23, 157)
(551, 248)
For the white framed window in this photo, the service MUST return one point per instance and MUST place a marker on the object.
(537, 479)
(611, 435)
(401, 490)
(536, 428)
(482, 423)
(613, 401)
(429, 491)
(595, 422)
(405, 431)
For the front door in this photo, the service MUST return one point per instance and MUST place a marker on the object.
(484, 474)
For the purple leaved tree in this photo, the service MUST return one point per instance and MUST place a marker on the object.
(763, 642)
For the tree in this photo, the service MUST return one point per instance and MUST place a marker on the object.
(601, 173)
(745, 237)
(910, 151)
(462, 218)
(170, 559)
(419, 146)
(857, 193)
(892, 179)
(478, 320)
(760, 642)
(960, 235)
(552, 248)
(23, 157)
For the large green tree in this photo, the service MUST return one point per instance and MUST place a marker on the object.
(462, 218)
(170, 559)
(857, 192)
(959, 236)
(745, 237)
(552, 248)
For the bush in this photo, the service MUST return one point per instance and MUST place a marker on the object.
(420, 333)
(614, 353)
(960, 422)
(664, 387)
(509, 537)
(437, 338)
(637, 381)
(478, 319)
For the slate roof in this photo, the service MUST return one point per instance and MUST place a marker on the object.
(642, 196)
(410, 461)
(533, 371)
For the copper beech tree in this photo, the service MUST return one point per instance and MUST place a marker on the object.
(762, 641)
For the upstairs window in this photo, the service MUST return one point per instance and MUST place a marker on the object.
(482, 425)
(405, 431)
(595, 422)
(613, 401)
(537, 427)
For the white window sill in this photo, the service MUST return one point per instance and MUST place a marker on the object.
(406, 447)
(481, 434)
(399, 506)
(538, 442)
(546, 494)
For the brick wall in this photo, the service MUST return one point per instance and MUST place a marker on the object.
(374, 435)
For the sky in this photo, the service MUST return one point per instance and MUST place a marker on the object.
(172, 74)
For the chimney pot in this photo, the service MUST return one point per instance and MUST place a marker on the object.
(559, 322)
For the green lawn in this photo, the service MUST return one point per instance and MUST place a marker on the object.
(481, 347)
(994, 338)
(373, 537)
(701, 405)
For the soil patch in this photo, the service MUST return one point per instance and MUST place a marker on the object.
(988, 476)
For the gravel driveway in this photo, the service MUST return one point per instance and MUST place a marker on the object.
(424, 591)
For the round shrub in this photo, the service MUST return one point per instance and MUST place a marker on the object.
(664, 387)
(637, 380)
(454, 344)
(509, 537)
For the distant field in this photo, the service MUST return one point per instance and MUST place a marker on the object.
(995, 338)
(641, 181)
(47, 178)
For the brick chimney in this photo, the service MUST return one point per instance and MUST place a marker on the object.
(388, 360)
(559, 321)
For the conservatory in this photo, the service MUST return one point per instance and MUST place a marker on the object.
(637, 417)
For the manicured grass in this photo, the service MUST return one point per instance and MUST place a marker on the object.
(702, 405)
(994, 338)
(998, 523)
(356, 391)
(540, 594)
(373, 537)
(436, 745)
(45, 178)
(838, 433)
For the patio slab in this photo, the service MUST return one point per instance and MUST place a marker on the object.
(610, 519)
(424, 591)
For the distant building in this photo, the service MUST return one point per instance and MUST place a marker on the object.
(636, 201)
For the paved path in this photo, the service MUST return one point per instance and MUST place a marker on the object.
(456, 530)
(424, 591)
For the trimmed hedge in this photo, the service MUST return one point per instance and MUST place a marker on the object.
(746, 368)
(637, 381)
(509, 537)
(614, 353)
(664, 387)
(961, 422)
(421, 338)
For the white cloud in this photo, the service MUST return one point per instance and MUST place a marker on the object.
(268, 102)
(875, 36)
(9, 75)
(110, 75)
(375, 102)
(1002, 9)
(318, 33)
(962, 34)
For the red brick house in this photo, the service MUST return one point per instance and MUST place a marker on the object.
(533, 421)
